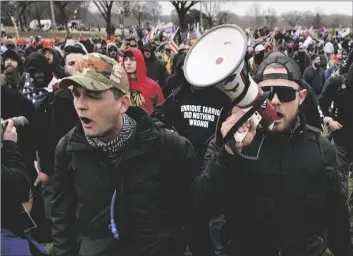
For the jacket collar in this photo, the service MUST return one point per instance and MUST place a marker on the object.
(77, 141)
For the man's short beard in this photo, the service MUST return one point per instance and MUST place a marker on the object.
(12, 77)
(292, 124)
(9, 70)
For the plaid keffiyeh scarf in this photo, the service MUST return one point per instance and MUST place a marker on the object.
(119, 143)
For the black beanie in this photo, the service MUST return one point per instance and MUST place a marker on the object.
(16, 57)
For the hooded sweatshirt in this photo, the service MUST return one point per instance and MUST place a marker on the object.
(156, 70)
(55, 66)
(109, 45)
(144, 92)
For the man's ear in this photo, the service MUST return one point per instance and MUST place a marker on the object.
(125, 103)
(302, 96)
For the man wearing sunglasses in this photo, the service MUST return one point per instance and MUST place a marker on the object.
(279, 190)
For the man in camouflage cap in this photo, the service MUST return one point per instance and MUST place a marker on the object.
(117, 176)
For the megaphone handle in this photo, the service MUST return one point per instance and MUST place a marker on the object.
(239, 137)
(245, 117)
(237, 125)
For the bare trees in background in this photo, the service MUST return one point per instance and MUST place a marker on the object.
(226, 17)
(270, 17)
(140, 11)
(293, 18)
(37, 10)
(184, 13)
(154, 9)
(255, 11)
(105, 9)
(66, 9)
(211, 9)
(8, 9)
(182, 7)
(126, 7)
(317, 21)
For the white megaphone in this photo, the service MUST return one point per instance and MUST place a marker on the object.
(217, 59)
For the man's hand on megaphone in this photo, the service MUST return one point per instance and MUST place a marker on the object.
(249, 126)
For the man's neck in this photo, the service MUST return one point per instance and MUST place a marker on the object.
(315, 68)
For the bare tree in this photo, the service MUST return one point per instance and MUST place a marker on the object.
(211, 10)
(8, 9)
(270, 16)
(105, 8)
(140, 11)
(126, 7)
(307, 19)
(182, 7)
(317, 21)
(84, 12)
(293, 18)
(154, 9)
(38, 10)
(66, 9)
(255, 11)
(174, 17)
(21, 8)
(226, 17)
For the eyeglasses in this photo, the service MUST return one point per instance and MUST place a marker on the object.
(284, 93)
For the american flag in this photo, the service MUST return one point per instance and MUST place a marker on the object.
(33, 94)
(173, 45)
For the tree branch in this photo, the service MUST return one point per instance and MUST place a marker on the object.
(101, 11)
(187, 8)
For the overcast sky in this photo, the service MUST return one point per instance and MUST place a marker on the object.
(241, 8)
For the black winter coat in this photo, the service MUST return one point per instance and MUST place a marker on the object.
(277, 200)
(342, 99)
(151, 180)
(15, 185)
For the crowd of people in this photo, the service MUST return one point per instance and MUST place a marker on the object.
(123, 156)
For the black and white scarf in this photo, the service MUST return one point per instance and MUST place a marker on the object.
(120, 142)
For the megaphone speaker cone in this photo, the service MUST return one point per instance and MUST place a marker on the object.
(216, 55)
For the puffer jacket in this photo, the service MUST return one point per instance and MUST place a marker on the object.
(151, 181)
(278, 195)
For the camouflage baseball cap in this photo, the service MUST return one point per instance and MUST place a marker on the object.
(97, 72)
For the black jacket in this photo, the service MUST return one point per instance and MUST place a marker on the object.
(151, 180)
(303, 60)
(62, 117)
(316, 79)
(15, 104)
(156, 70)
(342, 99)
(277, 200)
(15, 184)
(177, 79)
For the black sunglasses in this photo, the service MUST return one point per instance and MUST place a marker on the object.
(284, 93)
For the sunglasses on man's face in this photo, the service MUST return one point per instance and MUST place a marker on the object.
(284, 93)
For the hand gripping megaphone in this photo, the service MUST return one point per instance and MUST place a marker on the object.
(218, 59)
